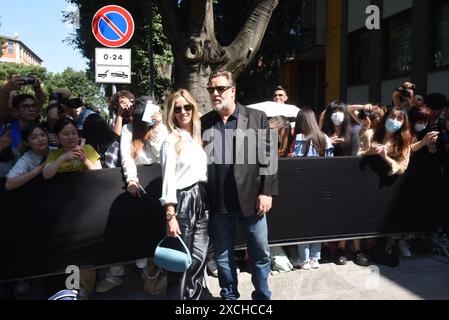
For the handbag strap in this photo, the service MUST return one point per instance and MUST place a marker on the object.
(182, 242)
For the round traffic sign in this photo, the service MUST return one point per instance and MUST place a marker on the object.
(113, 26)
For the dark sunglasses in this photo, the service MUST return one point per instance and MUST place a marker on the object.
(220, 89)
(187, 108)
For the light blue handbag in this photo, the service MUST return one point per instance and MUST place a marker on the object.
(173, 255)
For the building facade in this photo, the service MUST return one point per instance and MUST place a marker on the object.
(347, 61)
(17, 52)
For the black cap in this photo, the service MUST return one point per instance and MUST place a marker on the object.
(140, 104)
(436, 101)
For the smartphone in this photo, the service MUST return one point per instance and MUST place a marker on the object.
(81, 142)
(141, 189)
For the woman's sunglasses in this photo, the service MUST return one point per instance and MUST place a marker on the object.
(187, 108)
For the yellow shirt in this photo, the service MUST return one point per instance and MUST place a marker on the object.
(73, 165)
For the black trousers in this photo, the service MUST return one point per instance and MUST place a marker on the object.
(193, 219)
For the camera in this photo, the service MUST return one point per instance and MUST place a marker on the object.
(363, 115)
(29, 81)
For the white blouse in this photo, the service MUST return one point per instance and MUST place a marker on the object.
(148, 155)
(183, 170)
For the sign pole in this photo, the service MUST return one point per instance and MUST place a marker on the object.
(150, 47)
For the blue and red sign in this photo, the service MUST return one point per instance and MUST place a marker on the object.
(113, 26)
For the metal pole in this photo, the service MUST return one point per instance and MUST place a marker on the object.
(150, 46)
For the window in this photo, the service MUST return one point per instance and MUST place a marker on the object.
(10, 47)
(441, 33)
(359, 55)
(398, 37)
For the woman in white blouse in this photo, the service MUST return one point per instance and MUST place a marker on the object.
(184, 170)
(140, 144)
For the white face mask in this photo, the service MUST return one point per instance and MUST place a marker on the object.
(420, 127)
(338, 118)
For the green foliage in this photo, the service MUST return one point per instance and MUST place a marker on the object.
(84, 41)
(76, 82)
(283, 38)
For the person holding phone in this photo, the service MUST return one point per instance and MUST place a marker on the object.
(422, 139)
(16, 82)
(140, 144)
(73, 154)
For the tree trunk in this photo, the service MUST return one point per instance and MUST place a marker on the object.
(190, 30)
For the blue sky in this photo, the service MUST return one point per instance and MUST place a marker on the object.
(39, 26)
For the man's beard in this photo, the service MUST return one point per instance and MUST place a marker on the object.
(221, 107)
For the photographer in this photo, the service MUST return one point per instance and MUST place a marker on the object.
(14, 84)
(404, 96)
(368, 116)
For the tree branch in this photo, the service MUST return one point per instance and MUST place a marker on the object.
(173, 21)
(245, 45)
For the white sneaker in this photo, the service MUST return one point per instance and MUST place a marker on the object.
(106, 284)
(305, 265)
(314, 264)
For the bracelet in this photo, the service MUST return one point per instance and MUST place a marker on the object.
(169, 215)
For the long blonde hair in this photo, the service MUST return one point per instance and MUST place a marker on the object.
(172, 123)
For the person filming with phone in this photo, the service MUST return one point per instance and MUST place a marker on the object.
(20, 109)
(73, 154)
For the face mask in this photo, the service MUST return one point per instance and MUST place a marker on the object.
(338, 118)
(420, 127)
(393, 126)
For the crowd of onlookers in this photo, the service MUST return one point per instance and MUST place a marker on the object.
(68, 136)
(412, 124)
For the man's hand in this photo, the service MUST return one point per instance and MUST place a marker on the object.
(263, 204)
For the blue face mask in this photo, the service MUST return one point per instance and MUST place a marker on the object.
(392, 125)
(419, 127)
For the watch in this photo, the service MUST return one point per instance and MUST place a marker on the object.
(169, 215)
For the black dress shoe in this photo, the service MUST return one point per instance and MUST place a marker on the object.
(341, 257)
(360, 259)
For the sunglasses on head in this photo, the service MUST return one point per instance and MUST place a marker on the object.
(187, 108)
(219, 89)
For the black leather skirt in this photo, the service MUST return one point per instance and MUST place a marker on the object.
(193, 218)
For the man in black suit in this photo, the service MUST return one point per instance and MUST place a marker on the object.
(242, 181)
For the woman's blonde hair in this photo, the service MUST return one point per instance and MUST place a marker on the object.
(172, 123)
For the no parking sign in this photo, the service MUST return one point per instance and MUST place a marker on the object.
(113, 26)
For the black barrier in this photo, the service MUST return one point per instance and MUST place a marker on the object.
(88, 218)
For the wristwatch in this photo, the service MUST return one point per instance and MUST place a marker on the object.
(169, 215)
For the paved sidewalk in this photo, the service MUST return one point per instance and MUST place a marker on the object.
(423, 277)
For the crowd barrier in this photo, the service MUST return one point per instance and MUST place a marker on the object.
(88, 218)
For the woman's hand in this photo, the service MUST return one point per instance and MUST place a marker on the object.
(336, 140)
(173, 229)
(157, 117)
(376, 149)
(430, 138)
(133, 189)
(78, 154)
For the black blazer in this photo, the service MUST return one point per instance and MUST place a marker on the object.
(247, 173)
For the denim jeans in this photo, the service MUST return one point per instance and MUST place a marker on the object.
(223, 238)
(309, 250)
